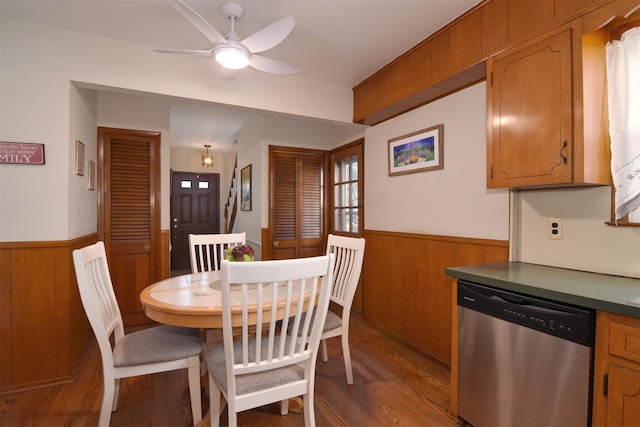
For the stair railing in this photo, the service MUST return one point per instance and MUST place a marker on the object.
(230, 207)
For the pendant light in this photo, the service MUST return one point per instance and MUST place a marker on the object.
(207, 160)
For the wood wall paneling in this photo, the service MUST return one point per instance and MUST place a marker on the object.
(6, 320)
(33, 305)
(433, 296)
(43, 331)
(165, 254)
(406, 292)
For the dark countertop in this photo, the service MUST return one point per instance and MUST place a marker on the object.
(592, 290)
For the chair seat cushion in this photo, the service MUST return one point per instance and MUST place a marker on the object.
(157, 344)
(333, 321)
(248, 383)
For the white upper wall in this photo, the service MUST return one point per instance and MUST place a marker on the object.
(38, 65)
(83, 203)
(250, 149)
(453, 201)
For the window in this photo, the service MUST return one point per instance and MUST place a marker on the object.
(347, 175)
(623, 88)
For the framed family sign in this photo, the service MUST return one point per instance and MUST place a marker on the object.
(21, 153)
(417, 151)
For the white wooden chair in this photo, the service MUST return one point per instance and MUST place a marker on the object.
(262, 365)
(349, 253)
(148, 351)
(208, 250)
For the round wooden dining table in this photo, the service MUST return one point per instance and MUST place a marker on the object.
(195, 301)
(191, 300)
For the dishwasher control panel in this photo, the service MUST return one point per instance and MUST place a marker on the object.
(565, 321)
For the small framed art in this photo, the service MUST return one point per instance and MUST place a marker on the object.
(79, 158)
(417, 151)
(91, 179)
(245, 188)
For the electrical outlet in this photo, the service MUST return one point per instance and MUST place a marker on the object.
(555, 228)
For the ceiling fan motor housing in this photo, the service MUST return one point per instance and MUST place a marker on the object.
(232, 10)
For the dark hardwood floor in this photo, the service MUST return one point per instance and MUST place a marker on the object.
(393, 386)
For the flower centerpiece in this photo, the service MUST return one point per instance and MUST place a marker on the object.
(239, 253)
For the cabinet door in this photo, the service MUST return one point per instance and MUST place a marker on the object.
(529, 115)
(623, 404)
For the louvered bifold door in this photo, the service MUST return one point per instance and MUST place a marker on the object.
(297, 203)
(130, 226)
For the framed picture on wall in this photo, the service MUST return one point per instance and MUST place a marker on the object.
(417, 152)
(245, 188)
(79, 158)
(91, 179)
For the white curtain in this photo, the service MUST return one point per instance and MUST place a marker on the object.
(623, 85)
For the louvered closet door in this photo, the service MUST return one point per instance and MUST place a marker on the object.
(297, 217)
(130, 214)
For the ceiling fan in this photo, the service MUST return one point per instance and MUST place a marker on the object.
(233, 53)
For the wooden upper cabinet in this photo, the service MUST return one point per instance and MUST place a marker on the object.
(529, 115)
(494, 27)
(466, 41)
(527, 17)
(440, 56)
(569, 8)
(546, 123)
(481, 33)
(419, 67)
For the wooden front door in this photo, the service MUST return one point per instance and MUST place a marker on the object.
(129, 214)
(195, 209)
(297, 201)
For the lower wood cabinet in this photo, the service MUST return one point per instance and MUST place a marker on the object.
(616, 392)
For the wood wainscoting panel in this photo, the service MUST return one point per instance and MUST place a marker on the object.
(165, 254)
(406, 291)
(44, 331)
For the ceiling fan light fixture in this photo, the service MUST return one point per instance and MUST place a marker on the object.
(232, 57)
(207, 160)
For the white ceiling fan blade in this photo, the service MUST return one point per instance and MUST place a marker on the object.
(272, 66)
(269, 36)
(199, 22)
(186, 51)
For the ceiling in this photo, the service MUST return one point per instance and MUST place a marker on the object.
(341, 42)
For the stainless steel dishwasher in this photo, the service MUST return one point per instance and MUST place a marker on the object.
(522, 361)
